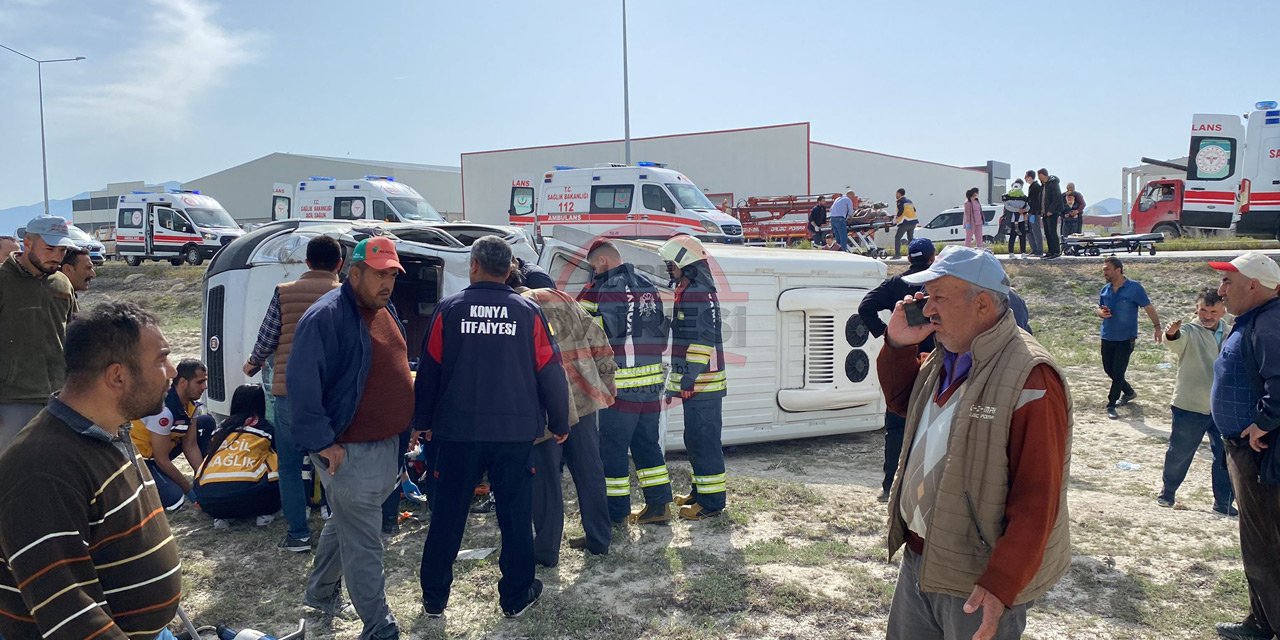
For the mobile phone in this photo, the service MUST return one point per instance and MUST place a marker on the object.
(915, 313)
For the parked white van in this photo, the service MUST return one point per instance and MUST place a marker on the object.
(368, 198)
(176, 226)
(616, 200)
(948, 226)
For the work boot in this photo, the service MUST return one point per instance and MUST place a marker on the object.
(686, 500)
(483, 504)
(696, 512)
(651, 514)
(1250, 629)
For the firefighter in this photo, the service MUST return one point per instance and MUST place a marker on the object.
(697, 373)
(629, 309)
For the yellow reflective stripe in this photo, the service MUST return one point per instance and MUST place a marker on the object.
(643, 370)
(551, 328)
(599, 320)
(660, 470)
(698, 387)
(710, 484)
(700, 349)
(645, 483)
(589, 306)
(653, 476)
(711, 488)
(631, 383)
(617, 486)
(697, 359)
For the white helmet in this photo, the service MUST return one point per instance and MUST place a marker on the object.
(683, 250)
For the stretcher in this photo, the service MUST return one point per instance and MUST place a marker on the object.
(1082, 244)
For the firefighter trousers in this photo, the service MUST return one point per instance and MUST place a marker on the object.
(623, 430)
(702, 426)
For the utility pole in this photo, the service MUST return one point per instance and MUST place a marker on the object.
(626, 97)
(44, 163)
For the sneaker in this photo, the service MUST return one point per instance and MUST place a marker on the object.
(535, 592)
(1164, 501)
(263, 521)
(483, 504)
(220, 523)
(651, 514)
(1111, 413)
(697, 512)
(1247, 630)
(884, 496)
(325, 512)
(432, 612)
(297, 545)
(686, 500)
(1127, 398)
(332, 607)
(1229, 511)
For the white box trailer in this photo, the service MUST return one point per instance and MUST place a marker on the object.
(799, 360)
(240, 281)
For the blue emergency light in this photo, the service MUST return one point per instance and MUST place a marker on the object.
(650, 164)
(387, 178)
(561, 167)
(322, 178)
(1267, 104)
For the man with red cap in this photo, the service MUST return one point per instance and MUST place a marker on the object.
(1245, 401)
(351, 397)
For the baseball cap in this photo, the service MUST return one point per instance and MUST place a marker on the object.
(378, 252)
(920, 250)
(53, 230)
(966, 263)
(1254, 265)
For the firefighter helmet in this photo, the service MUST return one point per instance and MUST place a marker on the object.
(683, 251)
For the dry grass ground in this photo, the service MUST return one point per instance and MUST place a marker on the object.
(800, 553)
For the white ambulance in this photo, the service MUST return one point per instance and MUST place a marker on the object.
(1233, 172)
(368, 198)
(615, 200)
(176, 226)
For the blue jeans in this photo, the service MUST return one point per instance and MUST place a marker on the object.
(1189, 429)
(293, 494)
(840, 230)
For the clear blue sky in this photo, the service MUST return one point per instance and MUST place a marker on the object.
(177, 89)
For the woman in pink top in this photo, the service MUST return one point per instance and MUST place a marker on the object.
(972, 219)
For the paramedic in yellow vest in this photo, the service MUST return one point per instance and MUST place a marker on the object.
(161, 437)
(697, 374)
(980, 499)
(906, 221)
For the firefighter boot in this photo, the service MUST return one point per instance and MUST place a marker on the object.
(651, 514)
(686, 499)
(696, 512)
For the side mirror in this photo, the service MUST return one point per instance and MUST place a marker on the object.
(1145, 204)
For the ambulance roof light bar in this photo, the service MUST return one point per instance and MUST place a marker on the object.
(659, 165)
(1267, 105)
(324, 178)
(562, 167)
(387, 178)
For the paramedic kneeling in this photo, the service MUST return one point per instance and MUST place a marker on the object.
(161, 437)
(981, 490)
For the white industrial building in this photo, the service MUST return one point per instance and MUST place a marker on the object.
(737, 164)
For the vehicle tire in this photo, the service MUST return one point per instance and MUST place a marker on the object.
(1151, 250)
(1169, 230)
(132, 261)
(177, 262)
(192, 255)
(1095, 252)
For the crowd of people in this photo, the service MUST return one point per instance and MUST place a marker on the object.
(977, 451)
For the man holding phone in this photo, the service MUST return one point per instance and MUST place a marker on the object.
(351, 397)
(1118, 305)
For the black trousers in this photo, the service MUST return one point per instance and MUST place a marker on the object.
(1115, 361)
(1018, 231)
(1051, 234)
(894, 426)
(1259, 506)
(581, 454)
(460, 466)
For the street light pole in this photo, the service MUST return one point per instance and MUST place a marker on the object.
(626, 98)
(44, 164)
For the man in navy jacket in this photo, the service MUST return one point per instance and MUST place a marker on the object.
(489, 381)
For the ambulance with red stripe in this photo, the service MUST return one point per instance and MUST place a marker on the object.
(178, 226)
(641, 201)
(1250, 161)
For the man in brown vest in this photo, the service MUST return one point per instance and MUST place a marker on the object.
(980, 498)
(275, 336)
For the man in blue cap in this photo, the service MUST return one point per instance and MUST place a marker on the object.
(982, 482)
(32, 333)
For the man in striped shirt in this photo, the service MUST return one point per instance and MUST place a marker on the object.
(85, 549)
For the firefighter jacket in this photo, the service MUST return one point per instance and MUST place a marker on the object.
(697, 349)
(627, 306)
(490, 370)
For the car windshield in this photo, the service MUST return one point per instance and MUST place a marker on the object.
(416, 209)
(689, 196)
(78, 234)
(211, 218)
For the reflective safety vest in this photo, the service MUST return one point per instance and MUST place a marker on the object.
(246, 456)
(697, 344)
(629, 309)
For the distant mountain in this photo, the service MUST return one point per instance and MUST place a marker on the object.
(1111, 206)
(14, 217)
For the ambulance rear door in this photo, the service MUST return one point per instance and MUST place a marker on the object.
(1259, 199)
(1213, 170)
(281, 201)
